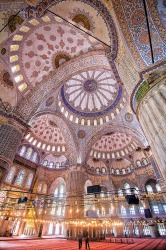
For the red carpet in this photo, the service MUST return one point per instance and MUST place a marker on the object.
(60, 244)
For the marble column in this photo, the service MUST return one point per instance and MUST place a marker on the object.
(118, 231)
(154, 230)
(131, 230)
(141, 231)
(151, 113)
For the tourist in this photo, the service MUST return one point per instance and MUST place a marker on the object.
(80, 237)
(87, 240)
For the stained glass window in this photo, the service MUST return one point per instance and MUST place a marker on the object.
(22, 151)
(123, 171)
(103, 170)
(57, 164)
(29, 180)
(58, 207)
(144, 162)
(141, 209)
(20, 178)
(117, 171)
(10, 175)
(45, 163)
(56, 192)
(34, 157)
(161, 229)
(61, 191)
(97, 170)
(51, 165)
(155, 209)
(132, 210)
(138, 163)
(123, 210)
(29, 152)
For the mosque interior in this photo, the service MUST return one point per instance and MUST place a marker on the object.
(83, 104)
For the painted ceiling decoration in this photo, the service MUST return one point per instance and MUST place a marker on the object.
(40, 45)
(97, 5)
(60, 69)
(45, 134)
(131, 15)
(92, 94)
(114, 146)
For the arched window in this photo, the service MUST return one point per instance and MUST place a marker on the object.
(129, 170)
(132, 210)
(149, 189)
(145, 162)
(34, 157)
(58, 207)
(29, 180)
(138, 163)
(158, 188)
(51, 165)
(20, 178)
(120, 193)
(103, 170)
(127, 188)
(117, 171)
(112, 171)
(61, 191)
(22, 150)
(29, 153)
(155, 209)
(123, 210)
(57, 165)
(123, 171)
(131, 166)
(10, 175)
(45, 163)
(97, 170)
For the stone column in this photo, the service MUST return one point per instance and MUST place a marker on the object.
(154, 230)
(131, 230)
(141, 232)
(118, 231)
(21, 229)
(151, 114)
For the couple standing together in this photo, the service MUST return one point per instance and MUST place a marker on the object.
(80, 238)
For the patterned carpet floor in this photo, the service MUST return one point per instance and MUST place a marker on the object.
(62, 244)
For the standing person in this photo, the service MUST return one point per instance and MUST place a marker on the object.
(80, 237)
(87, 240)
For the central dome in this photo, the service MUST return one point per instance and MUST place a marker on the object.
(92, 94)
